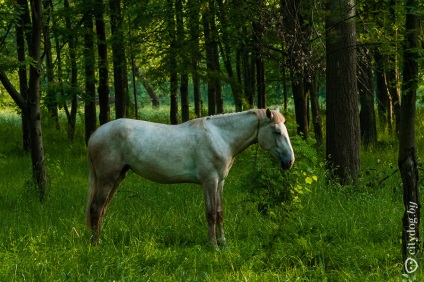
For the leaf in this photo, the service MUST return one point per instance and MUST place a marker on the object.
(315, 178)
(308, 180)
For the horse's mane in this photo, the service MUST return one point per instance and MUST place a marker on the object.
(260, 113)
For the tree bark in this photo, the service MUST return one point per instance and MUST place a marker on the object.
(21, 30)
(296, 50)
(184, 65)
(72, 115)
(119, 60)
(259, 63)
(37, 149)
(226, 55)
(315, 111)
(392, 74)
(366, 97)
(103, 89)
(50, 99)
(343, 134)
(248, 73)
(208, 20)
(284, 78)
(194, 22)
(407, 159)
(172, 64)
(90, 87)
(150, 91)
(384, 103)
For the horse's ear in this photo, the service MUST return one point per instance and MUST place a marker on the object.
(277, 108)
(269, 114)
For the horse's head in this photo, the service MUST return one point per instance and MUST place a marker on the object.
(274, 138)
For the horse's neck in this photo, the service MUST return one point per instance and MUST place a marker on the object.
(238, 130)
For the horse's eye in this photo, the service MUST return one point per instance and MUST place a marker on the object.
(277, 132)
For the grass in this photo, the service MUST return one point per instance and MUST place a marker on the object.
(158, 232)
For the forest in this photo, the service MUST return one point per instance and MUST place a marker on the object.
(346, 74)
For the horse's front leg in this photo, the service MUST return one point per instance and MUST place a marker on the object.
(210, 193)
(220, 235)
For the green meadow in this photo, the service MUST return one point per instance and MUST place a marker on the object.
(291, 226)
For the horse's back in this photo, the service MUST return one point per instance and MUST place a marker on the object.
(159, 152)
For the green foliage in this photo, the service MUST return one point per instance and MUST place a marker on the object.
(271, 188)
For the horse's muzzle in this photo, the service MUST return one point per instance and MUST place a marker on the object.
(286, 164)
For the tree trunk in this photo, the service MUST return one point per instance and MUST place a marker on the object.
(209, 30)
(21, 30)
(226, 55)
(37, 150)
(119, 59)
(185, 104)
(343, 134)
(90, 87)
(259, 63)
(72, 115)
(407, 159)
(150, 91)
(283, 72)
(103, 90)
(248, 75)
(392, 74)
(295, 47)
(50, 98)
(239, 107)
(316, 118)
(300, 106)
(172, 64)
(182, 51)
(384, 103)
(366, 97)
(194, 11)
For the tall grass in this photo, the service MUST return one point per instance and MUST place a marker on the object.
(155, 232)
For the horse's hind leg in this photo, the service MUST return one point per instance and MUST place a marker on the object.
(105, 190)
(96, 210)
(220, 235)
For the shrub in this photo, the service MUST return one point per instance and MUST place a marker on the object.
(271, 188)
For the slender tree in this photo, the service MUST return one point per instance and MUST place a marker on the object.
(407, 158)
(366, 97)
(183, 60)
(50, 99)
(103, 89)
(37, 149)
(194, 27)
(315, 112)
(343, 134)
(119, 59)
(384, 101)
(22, 32)
(211, 47)
(150, 91)
(172, 64)
(90, 86)
(72, 114)
(257, 33)
(226, 52)
(294, 22)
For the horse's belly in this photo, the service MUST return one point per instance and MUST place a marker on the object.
(166, 173)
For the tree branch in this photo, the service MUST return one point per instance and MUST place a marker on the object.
(19, 100)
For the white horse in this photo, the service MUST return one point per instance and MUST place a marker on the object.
(199, 151)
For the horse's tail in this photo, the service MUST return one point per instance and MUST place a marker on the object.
(92, 186)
